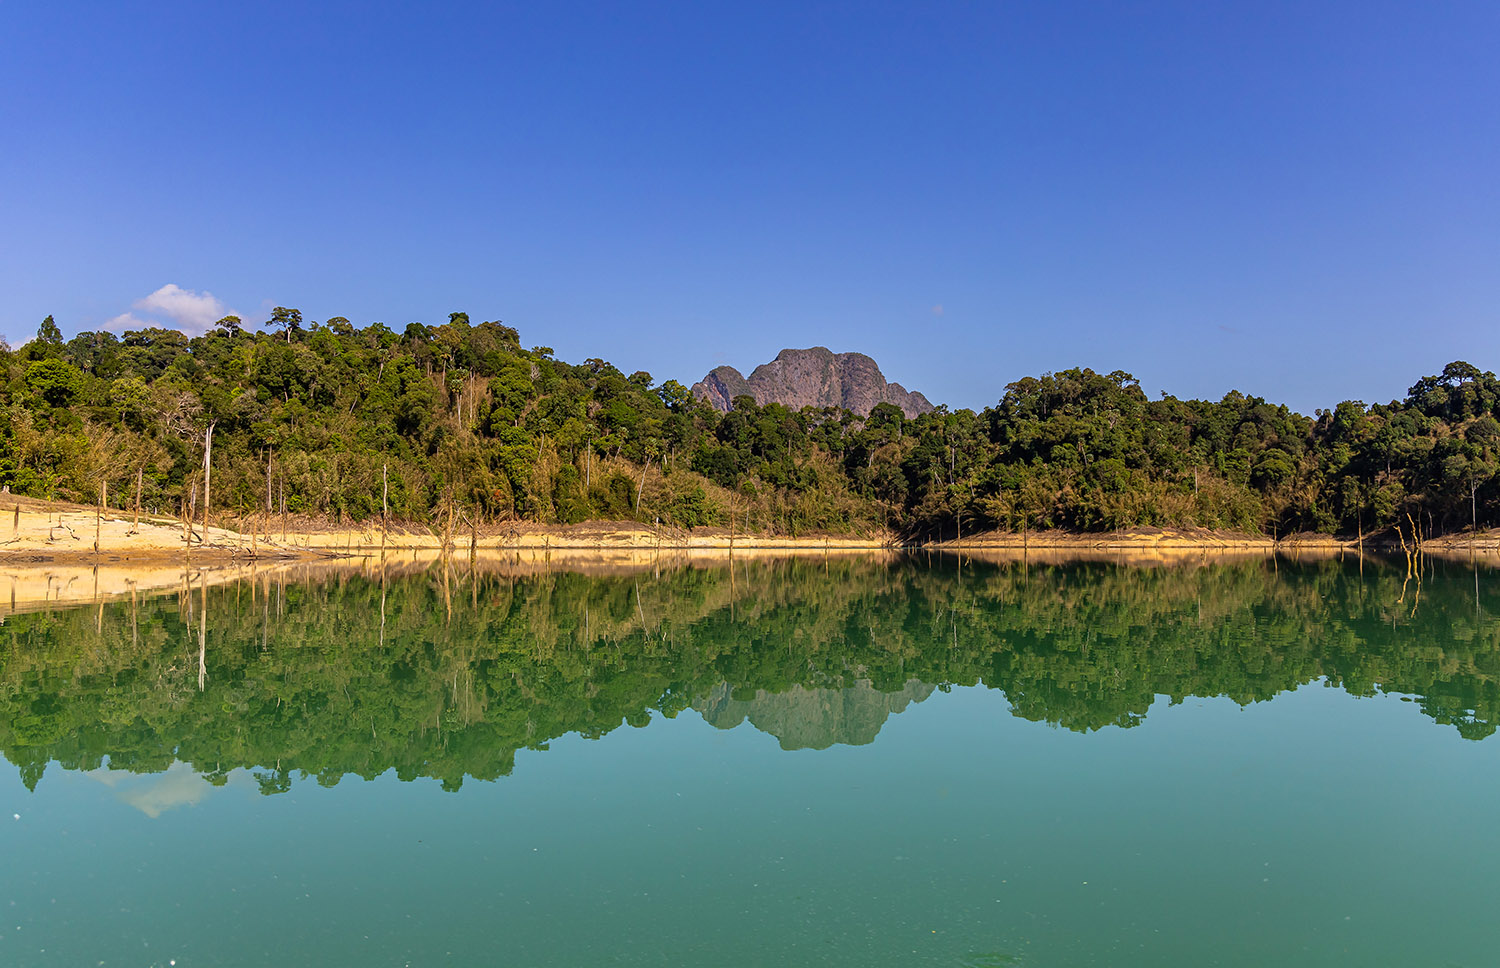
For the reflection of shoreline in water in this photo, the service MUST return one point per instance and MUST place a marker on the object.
(41, 586)
(447, 673)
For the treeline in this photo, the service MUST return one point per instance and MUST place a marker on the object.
(449, 674)
(344, 422)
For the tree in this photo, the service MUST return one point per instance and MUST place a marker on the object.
(290, 320)
(887, 421)
(54, 382)
(48, 334)
(675, 396)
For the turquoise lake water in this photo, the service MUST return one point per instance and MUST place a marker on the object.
(853, 762)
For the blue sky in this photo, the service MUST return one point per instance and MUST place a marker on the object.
(1297, 200)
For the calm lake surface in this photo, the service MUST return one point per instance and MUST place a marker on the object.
(847, 762)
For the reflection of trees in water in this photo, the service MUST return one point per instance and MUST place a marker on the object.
(346, 676)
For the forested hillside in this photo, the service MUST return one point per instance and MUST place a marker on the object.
(330, 419)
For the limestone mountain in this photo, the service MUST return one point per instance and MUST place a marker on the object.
(816, 377)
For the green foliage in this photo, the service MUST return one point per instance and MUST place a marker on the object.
(48, 336)
(52, 382)
(460, 414)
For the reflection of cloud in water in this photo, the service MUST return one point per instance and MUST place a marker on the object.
(157, 793)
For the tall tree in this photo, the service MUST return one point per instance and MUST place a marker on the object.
(290, 320)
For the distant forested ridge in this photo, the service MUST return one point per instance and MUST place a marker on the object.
(325, 419)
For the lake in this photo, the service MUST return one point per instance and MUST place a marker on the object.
(825, 761)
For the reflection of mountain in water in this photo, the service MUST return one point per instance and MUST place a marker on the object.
(448, 674)
(804, 718)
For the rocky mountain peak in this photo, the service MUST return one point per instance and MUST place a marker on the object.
(813, 377)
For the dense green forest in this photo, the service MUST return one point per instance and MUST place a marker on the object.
(448, 674)
(330, 420)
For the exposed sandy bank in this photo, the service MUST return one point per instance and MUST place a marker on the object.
(45, 531)
(1134, 539)
(42, 532)
(1486, 540)
(48, 532)
(597, 536)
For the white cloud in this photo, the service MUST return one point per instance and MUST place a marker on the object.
(189, 309)
(125, 321)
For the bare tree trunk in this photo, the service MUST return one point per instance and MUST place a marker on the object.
(140, 473)
(99, 513)
(208, 452)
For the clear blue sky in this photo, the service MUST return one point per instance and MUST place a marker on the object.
(1298, 200)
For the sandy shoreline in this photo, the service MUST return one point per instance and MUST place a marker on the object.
(39, 533)
(35, 581)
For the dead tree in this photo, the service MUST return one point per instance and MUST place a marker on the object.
(208, 451)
